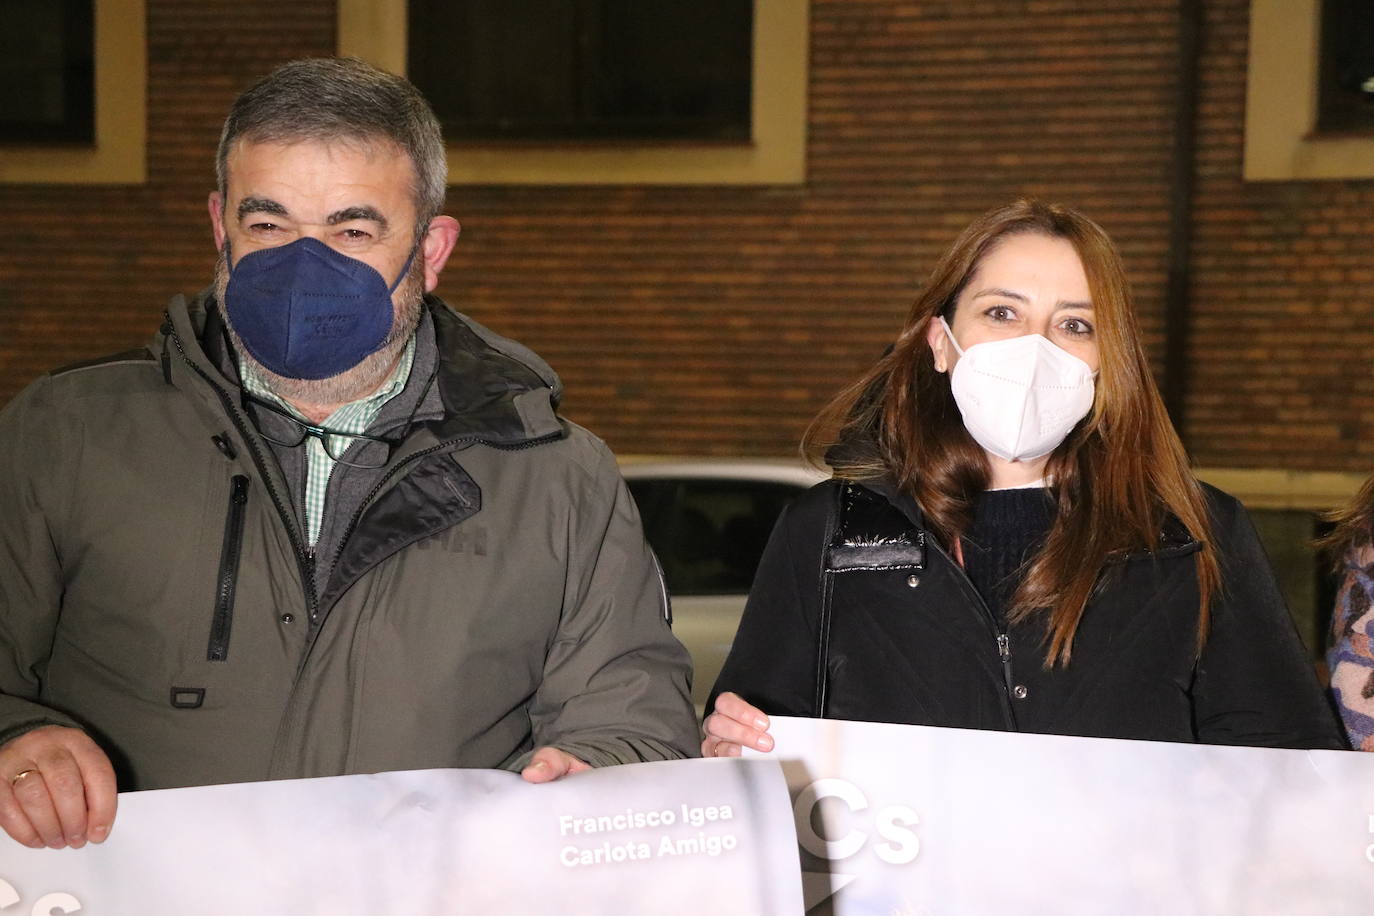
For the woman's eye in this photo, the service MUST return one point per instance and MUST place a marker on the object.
(1077, 327)
(1001, 313)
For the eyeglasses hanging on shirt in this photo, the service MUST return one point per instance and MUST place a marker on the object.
(336, 444)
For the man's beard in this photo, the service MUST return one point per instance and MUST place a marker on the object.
(351, 384)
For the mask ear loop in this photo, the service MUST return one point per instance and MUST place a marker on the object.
(405, 268)
(950, 334)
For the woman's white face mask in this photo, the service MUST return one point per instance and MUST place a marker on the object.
(1020, 396)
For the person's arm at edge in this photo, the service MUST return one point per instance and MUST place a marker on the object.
(57, 787)
(1350, 658)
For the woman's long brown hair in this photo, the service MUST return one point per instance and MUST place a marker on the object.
(1117, 478)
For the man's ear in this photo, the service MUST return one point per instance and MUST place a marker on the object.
(216, 207)
(440, 238)
(939, 342)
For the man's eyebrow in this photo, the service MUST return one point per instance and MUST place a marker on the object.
(348, 214)
(260, 205)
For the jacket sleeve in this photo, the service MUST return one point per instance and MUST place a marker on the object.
(772, 663)
(1351, 656)
(1254, 684)
(30, 574)
(616, 683)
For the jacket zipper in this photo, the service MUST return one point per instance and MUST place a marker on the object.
(305, 556)
(222, 620)
(1002, 639)
(303, 562)
(1004, 650)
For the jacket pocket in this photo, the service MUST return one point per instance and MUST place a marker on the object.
(222, 621)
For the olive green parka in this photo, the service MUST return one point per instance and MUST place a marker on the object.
(493, 593)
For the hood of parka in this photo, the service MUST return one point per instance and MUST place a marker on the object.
(493, 389)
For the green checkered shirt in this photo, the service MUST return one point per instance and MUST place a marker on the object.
(353, 417)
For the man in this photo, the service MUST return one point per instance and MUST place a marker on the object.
(322, 524)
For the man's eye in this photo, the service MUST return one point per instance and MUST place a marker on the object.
(356, 235)
(264, 227)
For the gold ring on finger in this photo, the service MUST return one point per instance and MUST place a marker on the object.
(14, 780)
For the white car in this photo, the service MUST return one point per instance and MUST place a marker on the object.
(708, 521)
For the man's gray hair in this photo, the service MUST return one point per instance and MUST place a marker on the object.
(327, 100)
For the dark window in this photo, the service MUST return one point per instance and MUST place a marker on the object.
(709, 534)
(47, 72)
(585, 69)
(1345, 94)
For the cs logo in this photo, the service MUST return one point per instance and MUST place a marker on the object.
(47, 905)
(893, 824)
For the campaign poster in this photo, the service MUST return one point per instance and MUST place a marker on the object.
(685, 837)
(897, 820)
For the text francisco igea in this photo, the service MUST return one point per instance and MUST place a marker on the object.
(634, 819)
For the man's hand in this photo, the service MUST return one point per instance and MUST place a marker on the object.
(57, 788)
(549, 763)
(732, 724)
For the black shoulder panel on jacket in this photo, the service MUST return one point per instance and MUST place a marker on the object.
(872, 534)
(480, 385)
(141, 355)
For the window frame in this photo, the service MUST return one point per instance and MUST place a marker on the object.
(1281, 142)
(119, 154)
(375, 30)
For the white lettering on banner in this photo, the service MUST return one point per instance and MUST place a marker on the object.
(48, 903)
(43, 906)
(639, 848)
(607, 823)
(892, 823)
(630, 819)
(699, 816)
(710, 844)
(572, 857)
(902, 846)
(806, 803)
(707, 844)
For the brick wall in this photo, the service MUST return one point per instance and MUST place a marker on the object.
(1283, 301)
(87, 270)
(716, 320)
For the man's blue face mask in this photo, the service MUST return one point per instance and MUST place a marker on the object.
(304, 311)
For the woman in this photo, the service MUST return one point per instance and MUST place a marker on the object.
(1013, 539)
(1351, 658)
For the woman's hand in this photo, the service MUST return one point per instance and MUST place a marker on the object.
(734, 724)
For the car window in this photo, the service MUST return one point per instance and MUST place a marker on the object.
(708, 534)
